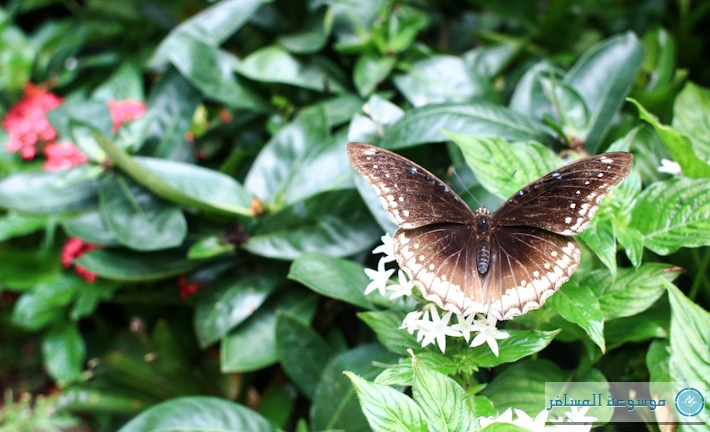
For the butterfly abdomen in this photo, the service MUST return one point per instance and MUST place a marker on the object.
(483, 245)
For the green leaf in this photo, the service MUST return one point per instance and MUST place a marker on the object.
(139, 219)
(631, 291)
(504, 168)
(302, 353)
(50, 191)
(424, 124)
(577, 304)
(335, 278)
(212, 25)
(674, 214)
(334, 223)
(690, 338)
(283, 171)
(387, 409)
(182, 183)
(402, 373)
(521, 343)
(599, 236)
(603, 77)
(229, 302)
(171, 106)
(273, 64)
(522, 386)
(690, 118)
(335, 405)
(90, 227)
(258, 332)
(46, 265)
(370, 70)
(135, 266)
(17, 224)
(80, 398)
(679, 146)
(386, 325)
(571, 111)
(443, 401)
(278, 403)
(209, 69)
(314, 33)
(63, 350)
(490, 60)
(443, 79)
(650, 324)
(195, 413)
(47, 301)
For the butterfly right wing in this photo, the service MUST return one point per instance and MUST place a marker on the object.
(441, 261)
(412, 196)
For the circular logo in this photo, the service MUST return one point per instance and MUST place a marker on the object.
(689, 402)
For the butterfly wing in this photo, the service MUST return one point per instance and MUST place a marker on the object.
(412, 196)
(531, 264)
(441, 260)
(565, 201)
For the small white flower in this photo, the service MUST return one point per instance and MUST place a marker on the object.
(578, 415)
(523, 420)
(536, 424)
(669, 167)
(379, 278)
(488, 333)
(437, 330)
(465, 326)
(411, 322)
(404, 288)
(387, 248)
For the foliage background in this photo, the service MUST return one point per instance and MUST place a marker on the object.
(236, 179)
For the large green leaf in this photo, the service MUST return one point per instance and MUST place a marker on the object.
(50, 191)
(212, 26)
(47, 301)
(135, 266)
(690, 118)
(230, 301)
(335, 405)
(336, 278)
(443, 79)
(198, 413)
(423, 125)
(503, 168)
(210, 70)
(674, 214)
(334, 223)
(386, 325)
(182, 183)
(603, 77)
(302, 353)
(577, 304)
(139, 219)
(387, 409)
(679, 146)
(443, 401)
(90, 227)
(17, 224)
(63, 350)
(259, 332)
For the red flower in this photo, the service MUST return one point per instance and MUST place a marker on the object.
(27, 123)
(75, 248)
(188, 289)
(125, 111)
(62, 156)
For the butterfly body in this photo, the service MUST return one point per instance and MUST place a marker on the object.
(506, 263)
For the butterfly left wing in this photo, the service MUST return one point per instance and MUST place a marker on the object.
(412, 196)
(441, 261)
(531, 264)
(565, 201)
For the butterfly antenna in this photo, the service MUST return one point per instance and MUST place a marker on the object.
(463, 185)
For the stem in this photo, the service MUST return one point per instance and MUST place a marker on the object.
(702, 270)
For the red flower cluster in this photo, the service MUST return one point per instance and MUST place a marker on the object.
(27, 123)
(188, 289)
(29, 129)
(125, 111)
(75, 248)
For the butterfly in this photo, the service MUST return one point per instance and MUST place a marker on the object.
(505, 263)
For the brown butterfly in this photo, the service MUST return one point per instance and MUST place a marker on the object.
(506, 263)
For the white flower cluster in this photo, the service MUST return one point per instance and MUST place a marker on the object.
(670, 167)
(428, 323)
(575, 421)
